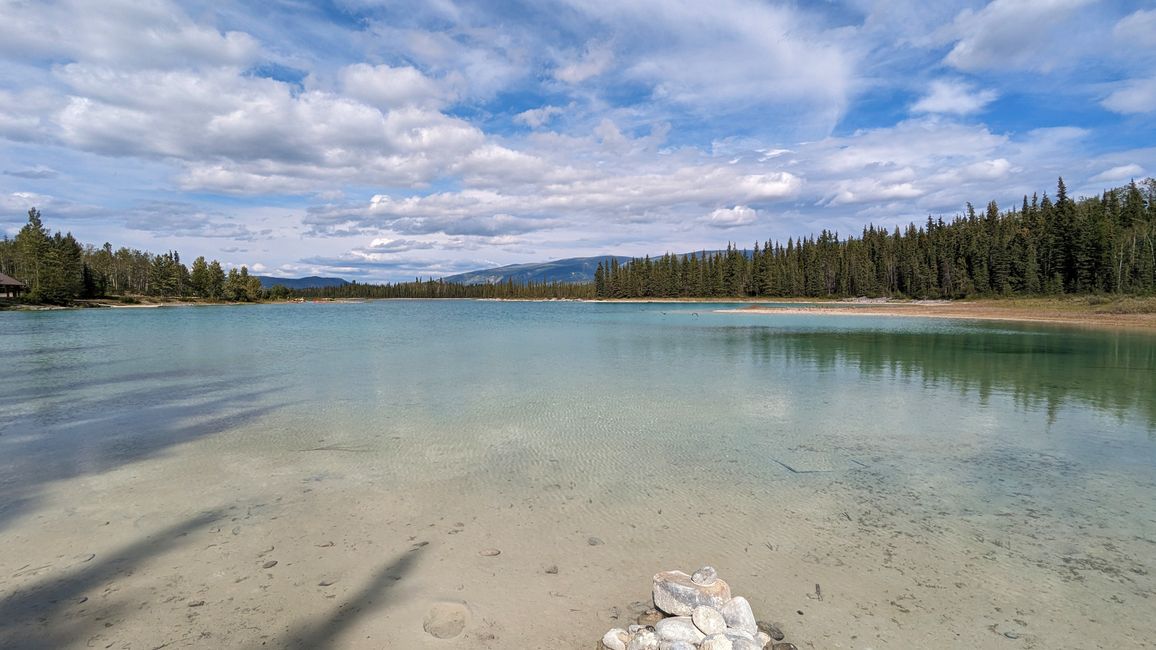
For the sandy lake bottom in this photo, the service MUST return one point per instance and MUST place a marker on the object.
(324, 476)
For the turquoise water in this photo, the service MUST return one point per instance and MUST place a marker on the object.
(891, 459)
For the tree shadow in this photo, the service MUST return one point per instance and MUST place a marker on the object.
(55, 612)
(323, 633)
(51, 442)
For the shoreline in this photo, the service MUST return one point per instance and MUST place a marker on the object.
(1054, 312)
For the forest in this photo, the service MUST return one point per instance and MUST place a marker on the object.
(1104, 244)
(1091, 245)
(58, 269)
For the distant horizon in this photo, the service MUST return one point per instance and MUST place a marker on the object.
(380, 143)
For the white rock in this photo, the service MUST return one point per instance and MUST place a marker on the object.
(678, 628)
(739, 634)
(744, 644)
(615, 639)
(643, 640)
(704, 576)
(676, 594)
(708, 619)
(738, 614)
(717, 642)
(763, 639)
(676, 645)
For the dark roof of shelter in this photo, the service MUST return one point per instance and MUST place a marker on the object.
(7, 280)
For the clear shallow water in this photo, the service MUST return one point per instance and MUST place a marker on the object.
(946, 481)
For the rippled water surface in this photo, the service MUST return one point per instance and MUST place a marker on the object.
(901, 482)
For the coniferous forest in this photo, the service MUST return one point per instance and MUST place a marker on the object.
(1095, 245)
(1104, 244)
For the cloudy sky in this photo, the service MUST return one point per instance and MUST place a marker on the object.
(381, 140)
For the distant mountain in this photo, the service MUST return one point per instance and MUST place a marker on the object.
(311, 282)
(573, 269)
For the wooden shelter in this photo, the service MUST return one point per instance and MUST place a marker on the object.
(10, 287)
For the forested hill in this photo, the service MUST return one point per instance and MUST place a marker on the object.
(1104, 244)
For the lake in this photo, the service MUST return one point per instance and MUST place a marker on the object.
(322, 475)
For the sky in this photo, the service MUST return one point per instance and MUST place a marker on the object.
(385, 140)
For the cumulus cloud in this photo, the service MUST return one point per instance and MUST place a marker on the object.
(956, 97)
(385, 87)
(733, 217)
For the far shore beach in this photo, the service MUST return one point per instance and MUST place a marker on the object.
(1063, 312)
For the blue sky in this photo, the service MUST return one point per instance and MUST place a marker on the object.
(386, 140)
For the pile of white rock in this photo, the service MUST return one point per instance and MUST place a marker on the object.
(698, 612)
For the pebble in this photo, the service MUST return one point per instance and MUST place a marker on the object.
(675, 593)
(1012, 635)
(738, 614)
(489, 552)
(615, 639)
(196, 603)
(771, 629)
(708, 619)
(594, 541)
(552, 569)
(695, 612)
(704, 576)
(649, 617)
(678, 628)
(269, 565)
(328, 582)
(716, 642)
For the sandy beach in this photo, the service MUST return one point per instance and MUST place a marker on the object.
(1063, 312)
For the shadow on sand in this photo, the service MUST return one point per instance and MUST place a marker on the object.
(325, 631)
(62, 610)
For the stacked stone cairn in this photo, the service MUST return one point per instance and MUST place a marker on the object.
(696, 612)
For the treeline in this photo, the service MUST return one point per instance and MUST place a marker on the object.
(440, 289)
(1104, 244)
(58, 269)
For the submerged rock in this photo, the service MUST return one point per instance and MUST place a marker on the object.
(675, 593)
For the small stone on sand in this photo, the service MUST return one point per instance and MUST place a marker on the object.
(446, 620)
(489, 552)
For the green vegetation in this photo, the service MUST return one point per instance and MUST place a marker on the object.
(1091, 246)
(1094, 245)
(58, 270)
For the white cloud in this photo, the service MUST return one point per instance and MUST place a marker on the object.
(1135, 96)
(1013, 34)
(126, 33)
(593, 62)
(1119, 174)
(954, 97)
(385, 87)
(739, 215)
(1138, 30)
(538, 117)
